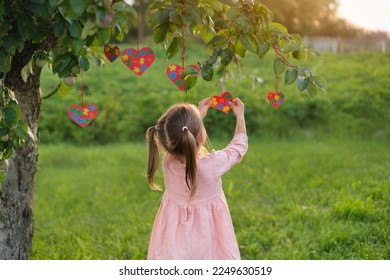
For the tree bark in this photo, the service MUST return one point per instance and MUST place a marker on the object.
(16, 193)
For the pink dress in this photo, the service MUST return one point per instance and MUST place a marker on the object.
(201, 229)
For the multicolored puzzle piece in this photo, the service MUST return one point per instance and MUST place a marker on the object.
(276, 99)
(222, 102)
(82, 115)
(138, 61)
(111, 53)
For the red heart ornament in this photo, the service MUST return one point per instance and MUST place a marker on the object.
(82, 115)
(138, 61)
(276, 99)
(174, 74)
(222, 102)
(111, 53)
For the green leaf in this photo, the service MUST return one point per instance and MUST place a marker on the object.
(175, 17)
(291, 76)
(215, 5)
(312, 89)
(84, 63)
(294, 44)
(88, 29)
(75, 29)
(10, 117)
(240, 49)
(263, 49)
(10, 44)
(207, 33)
(120, 7)
(299, 55)
(173, 47)
(61, 61)
(155, 19)
(195, 13)
(27, 70)
(226, 56)
(7, 152)
(207, 72)
(189, 71)
(233, 13)
(77, 46)
(5, 62)
(302, 82)
(278, 28)
(213, 58)
(189, 82)
(156, 5)
(160, 32)
(78, 6)
(21, 130)
(15, 106)
(320, 82)
(217, 40)
(64, 90)
(279, 66)
(249, 42)
(26, 27)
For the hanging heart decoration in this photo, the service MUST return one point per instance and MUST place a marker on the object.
(112, 53)
(276, 99)
(174, 72)
(222, 102)
(138, 61)
(82, 115)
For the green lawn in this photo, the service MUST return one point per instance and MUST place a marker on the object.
(288, 200)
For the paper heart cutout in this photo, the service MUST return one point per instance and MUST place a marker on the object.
(111, 53)
(82, 115)
(222, 102)
(174, 74)
(138, 61)
(276, 99)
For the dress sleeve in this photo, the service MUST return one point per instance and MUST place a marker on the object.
(230, 155)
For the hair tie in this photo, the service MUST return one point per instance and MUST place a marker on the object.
(184, 128)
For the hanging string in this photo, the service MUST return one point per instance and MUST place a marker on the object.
(137, 12)
(182, 48)
(111, 35)
(82, 87)
(276, 84)
(223, 80)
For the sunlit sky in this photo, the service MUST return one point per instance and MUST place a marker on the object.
(369, 14)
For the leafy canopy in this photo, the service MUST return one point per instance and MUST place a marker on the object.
(68, 35)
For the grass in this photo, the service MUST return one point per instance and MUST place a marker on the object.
(288, 200)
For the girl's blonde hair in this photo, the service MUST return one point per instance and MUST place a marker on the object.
(181, 133)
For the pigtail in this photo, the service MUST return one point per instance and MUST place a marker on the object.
(190, 152)
(153, 157)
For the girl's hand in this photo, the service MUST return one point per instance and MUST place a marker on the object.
(237, 107)
(203, 106)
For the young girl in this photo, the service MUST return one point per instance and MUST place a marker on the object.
(193, 221)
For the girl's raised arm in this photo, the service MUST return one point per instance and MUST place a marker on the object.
(238, 110)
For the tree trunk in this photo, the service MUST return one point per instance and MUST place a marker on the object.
(16, 193)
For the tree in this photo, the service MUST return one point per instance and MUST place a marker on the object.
(68, 35)
(313, 18)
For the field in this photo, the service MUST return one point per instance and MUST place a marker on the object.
(315, 183)
(288, 200)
